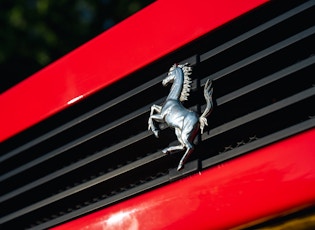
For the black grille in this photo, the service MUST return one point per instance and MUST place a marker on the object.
(99, 152)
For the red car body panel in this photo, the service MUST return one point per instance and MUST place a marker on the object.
(159, 29)
(259, 185)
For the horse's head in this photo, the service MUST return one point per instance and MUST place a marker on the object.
(171, 75)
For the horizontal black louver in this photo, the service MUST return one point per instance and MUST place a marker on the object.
(99, 152)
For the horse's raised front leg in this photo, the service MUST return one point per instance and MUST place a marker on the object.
(151, 126)
(155, 108)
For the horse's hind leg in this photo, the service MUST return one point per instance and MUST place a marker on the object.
(173, 149)
(189, 150)
(187, 139)
(177, 147)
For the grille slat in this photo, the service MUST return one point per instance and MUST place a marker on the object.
(82, 118)
(267, 80)
(75, 143)
(69, 192)
(262, 54)
(257, 30)
(262, 112)
(234, 152)
(95, 206)
(102, 153)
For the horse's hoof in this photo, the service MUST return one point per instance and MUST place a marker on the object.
(156, 133)
(165, 151)
(180, 166)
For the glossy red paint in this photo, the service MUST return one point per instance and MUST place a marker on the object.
(262, 184)
(148, 35)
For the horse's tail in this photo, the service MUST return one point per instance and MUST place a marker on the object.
(207, 92)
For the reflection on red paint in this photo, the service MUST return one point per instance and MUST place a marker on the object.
(75, 99)
(152, 33)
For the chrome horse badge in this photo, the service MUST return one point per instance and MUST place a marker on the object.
(185, 122)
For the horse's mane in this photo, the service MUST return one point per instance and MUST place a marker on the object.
(187, 80)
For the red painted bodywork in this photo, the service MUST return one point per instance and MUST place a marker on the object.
(159, 29)
(262, 184)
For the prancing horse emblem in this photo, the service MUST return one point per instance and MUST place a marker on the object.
(185, 122)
